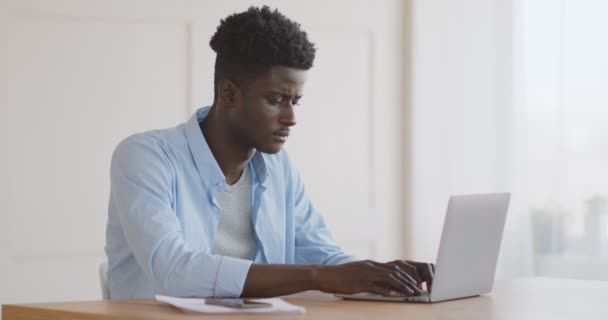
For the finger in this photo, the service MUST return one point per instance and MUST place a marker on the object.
(382, 277)
(403, 266)
(409, 281)
(413, 272)
(431, 271)
(412, 280)
(403, 274)
(392, 283)
(424, 271)
(407, 272)
(407, 284)
(388, 279)
(403, 286)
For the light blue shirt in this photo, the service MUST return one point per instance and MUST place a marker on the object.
(163, 216)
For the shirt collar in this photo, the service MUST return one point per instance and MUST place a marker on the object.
(208, 168)
(259, 165)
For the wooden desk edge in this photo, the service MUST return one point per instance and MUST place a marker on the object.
(31, 312)
(57, 310)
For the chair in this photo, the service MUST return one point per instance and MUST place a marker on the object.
(103, 274)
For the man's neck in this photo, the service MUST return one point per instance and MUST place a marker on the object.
(230, 155)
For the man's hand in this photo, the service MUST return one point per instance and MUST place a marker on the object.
(388, 279)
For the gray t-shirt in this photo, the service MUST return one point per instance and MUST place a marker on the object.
(235, 234)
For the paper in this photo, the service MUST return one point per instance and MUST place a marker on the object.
(278, 305)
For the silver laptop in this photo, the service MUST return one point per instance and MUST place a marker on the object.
(468, 252)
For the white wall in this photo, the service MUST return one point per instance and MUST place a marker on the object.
(460, 109)
(455, 132)
(79, 75)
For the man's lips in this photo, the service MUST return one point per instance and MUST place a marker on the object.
(281, 135)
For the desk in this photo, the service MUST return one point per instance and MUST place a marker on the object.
(531, 298)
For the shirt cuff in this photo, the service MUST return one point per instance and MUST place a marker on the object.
(231, 277)
(346, 259)
(351, 259)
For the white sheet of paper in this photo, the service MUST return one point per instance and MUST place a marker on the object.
(278, 305)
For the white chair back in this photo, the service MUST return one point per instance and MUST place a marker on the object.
(103, 277)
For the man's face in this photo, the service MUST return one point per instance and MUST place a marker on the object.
(265, 108)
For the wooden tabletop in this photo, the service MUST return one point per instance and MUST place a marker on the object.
(530, 298)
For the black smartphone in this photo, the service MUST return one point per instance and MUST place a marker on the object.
(236, 303)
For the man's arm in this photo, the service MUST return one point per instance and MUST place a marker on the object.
(141, 196)
(388, 279)
(323, 265)
(141, 184)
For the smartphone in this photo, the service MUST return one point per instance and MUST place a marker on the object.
(236, 303)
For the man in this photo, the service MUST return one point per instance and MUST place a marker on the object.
(214, 207)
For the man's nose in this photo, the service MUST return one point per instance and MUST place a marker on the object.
(288, 116)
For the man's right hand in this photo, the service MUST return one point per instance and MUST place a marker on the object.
(387, 279)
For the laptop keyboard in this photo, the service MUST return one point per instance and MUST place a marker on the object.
(423, 294)
(423, 297)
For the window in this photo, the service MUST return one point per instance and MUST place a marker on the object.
(564, 73)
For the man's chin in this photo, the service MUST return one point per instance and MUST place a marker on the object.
(271, 149)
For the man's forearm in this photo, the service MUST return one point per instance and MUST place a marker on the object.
(271, 280)
(388, 279)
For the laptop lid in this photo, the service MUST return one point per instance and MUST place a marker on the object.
(470, 243)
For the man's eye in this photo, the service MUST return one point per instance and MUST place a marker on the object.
(296, 102)
(274, 101)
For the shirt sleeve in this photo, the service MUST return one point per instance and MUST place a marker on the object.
(314, 243)
(142, 181)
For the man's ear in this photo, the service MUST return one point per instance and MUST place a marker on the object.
(227, 92)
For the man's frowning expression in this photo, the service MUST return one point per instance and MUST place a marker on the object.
(264, 108)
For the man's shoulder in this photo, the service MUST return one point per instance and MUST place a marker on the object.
(159, 138)
(160, 145)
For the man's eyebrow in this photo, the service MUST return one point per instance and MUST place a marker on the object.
(283, 93)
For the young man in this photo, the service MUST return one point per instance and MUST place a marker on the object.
(214, 207)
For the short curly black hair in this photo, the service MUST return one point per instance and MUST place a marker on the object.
(250, 42)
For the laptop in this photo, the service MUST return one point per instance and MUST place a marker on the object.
(468, 252)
